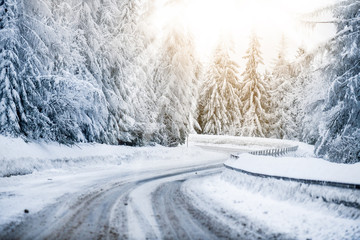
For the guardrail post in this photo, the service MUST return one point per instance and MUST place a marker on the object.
(274, 151)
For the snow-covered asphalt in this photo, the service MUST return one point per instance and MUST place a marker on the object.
(168, 193)
(150, 205)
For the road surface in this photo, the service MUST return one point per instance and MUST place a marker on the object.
(145, 205)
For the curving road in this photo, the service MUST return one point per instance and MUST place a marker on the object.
(149, 205)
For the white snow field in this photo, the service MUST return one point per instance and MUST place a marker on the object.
(92, 191)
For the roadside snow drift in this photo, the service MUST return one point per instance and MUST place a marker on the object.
(19, 158)
(296, 210)
(298, 167)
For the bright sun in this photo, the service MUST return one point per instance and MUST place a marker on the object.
(209, 19)
(270, 19)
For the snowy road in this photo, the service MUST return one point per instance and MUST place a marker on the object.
(167, 193)
(147, 206)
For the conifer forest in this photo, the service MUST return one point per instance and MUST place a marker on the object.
(123, 72)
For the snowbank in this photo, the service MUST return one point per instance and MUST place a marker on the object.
(300, 164)
(295, 210)
(242, 141)
(298, 167)
(19, 158)
(248, 144)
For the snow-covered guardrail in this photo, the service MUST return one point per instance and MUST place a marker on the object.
(271, 152)
(281, 151)
(307, 181)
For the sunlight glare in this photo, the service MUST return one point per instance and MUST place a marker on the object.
(210, 19)
(207, 20)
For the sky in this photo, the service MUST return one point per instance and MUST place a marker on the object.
(270, 19)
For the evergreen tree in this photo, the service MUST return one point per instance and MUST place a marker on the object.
(303, 108)
(329, 75)
(127, 72)
(340, 132)
(282, 97)
(11, 109)
(109, 43)
(139, 73)
(254, 91)
(80, 71)
(220, 103)
(53, 59)
(282, 66)
(309, 93)
(69, 80)
(174, 82)
(19, 66)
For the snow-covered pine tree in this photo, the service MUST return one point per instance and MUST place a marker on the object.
(105, 39)
(340, 132)
(309, 94)
(142, 93)
(127, 77)
(73, 71)
(254, 94)
(304, 112)
(282, 97)
(113, 61)
(11, 109)
(219, 102)
(174, 80)
(70, 96)
(53, 101)
(19, 67)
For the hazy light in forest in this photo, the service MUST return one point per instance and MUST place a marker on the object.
(209, 19)
(269, 18)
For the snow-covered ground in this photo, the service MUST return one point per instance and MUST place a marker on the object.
(42, 173)
(298, 210)
(301, 164)
(289, 208)
(19, 158)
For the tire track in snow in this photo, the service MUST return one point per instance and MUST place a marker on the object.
(103, 212)
(173, 214)
(180, 218)
(88, 216)
(147, 206)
